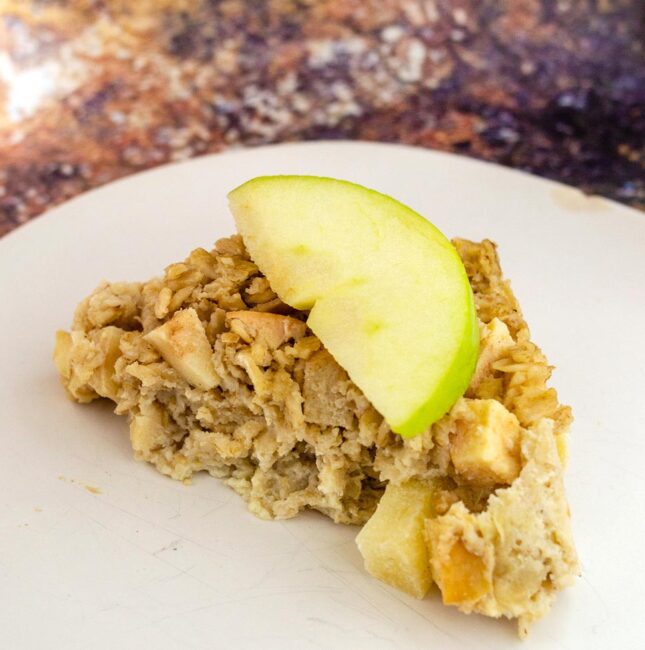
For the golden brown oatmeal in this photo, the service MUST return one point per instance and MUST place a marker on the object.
(216, 374)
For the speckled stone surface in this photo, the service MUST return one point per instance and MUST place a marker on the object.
(92, 90)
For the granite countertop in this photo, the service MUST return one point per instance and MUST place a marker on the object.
(92, 90)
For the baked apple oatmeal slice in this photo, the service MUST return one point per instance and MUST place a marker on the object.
(215, 373)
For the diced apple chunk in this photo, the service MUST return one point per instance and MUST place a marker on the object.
(102, 380)
(182, 342)
(485, 449)
(274, 329)
(462, 576)
(392, 542)
(495, 340)
(147, 431)
(62, 353)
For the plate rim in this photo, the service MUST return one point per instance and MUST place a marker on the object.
(335, 144)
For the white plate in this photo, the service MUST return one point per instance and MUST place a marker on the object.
(98, 551)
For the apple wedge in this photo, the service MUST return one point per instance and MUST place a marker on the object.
(387, 293)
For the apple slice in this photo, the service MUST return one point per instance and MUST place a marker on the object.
(388, 294)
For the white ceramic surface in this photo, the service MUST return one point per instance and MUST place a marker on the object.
(98, 551)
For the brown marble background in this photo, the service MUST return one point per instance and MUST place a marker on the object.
(92, 90)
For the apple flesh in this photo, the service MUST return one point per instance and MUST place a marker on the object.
(387, 293)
